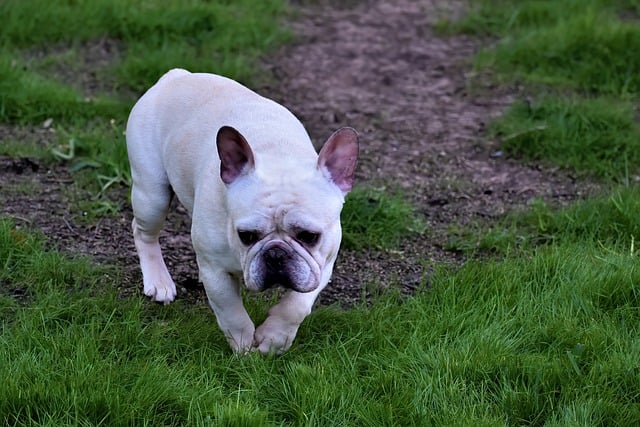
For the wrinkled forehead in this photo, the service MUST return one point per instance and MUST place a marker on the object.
(309, 207)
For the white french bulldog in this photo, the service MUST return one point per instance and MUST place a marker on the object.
(263, 204)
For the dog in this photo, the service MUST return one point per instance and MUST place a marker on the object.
(265, 207)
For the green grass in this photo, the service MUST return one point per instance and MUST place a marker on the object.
(15, 147)
(591, 52)
(546, 332)
(149, 37)
(99, 148)
(598, 136)
(609, 220)
(582, 44)
(577, 57)
(224, 37)
(375, 219)
(29, 98)
(550, 338)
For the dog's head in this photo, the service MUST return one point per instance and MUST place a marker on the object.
(285, 221)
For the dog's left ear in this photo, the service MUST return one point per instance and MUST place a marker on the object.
(339, 156)
(236, 157)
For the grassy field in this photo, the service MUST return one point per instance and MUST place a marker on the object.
(546, 338)
(545, 330)
(39, 67)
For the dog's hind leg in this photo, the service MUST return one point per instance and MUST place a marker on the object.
(150, 208)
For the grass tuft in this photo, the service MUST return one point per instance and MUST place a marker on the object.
(27, 98)
(579, 54)
(610, 221)
(599, 137)
(586, 45)
(591, 52)
(158, 35)
(373, 219)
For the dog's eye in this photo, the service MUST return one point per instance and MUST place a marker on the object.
(248, 237)
(308, 238)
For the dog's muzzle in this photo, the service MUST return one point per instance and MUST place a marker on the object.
(278, 264)
(277, 260)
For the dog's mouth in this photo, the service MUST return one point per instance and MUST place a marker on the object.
(277, 264)
(275, 280)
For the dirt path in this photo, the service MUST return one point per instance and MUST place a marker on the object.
(379, 68)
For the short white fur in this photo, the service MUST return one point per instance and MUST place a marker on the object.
(238, 162)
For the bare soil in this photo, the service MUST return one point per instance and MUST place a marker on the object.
(377, 66)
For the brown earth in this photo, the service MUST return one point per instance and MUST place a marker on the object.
(377, 66)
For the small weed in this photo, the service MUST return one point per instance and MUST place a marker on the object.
(65, 152)
(98, 158)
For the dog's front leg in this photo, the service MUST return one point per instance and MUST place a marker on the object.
(279, 329)
(223, 292)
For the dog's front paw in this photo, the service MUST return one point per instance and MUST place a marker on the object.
(159, 286)
(241, 341)
(275, 335)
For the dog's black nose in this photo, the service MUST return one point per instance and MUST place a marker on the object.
(275, 258)
(275, 261)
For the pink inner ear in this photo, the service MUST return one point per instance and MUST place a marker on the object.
(236, 157)
(340, 155)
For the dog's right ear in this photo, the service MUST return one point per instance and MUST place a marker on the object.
(236, 157)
